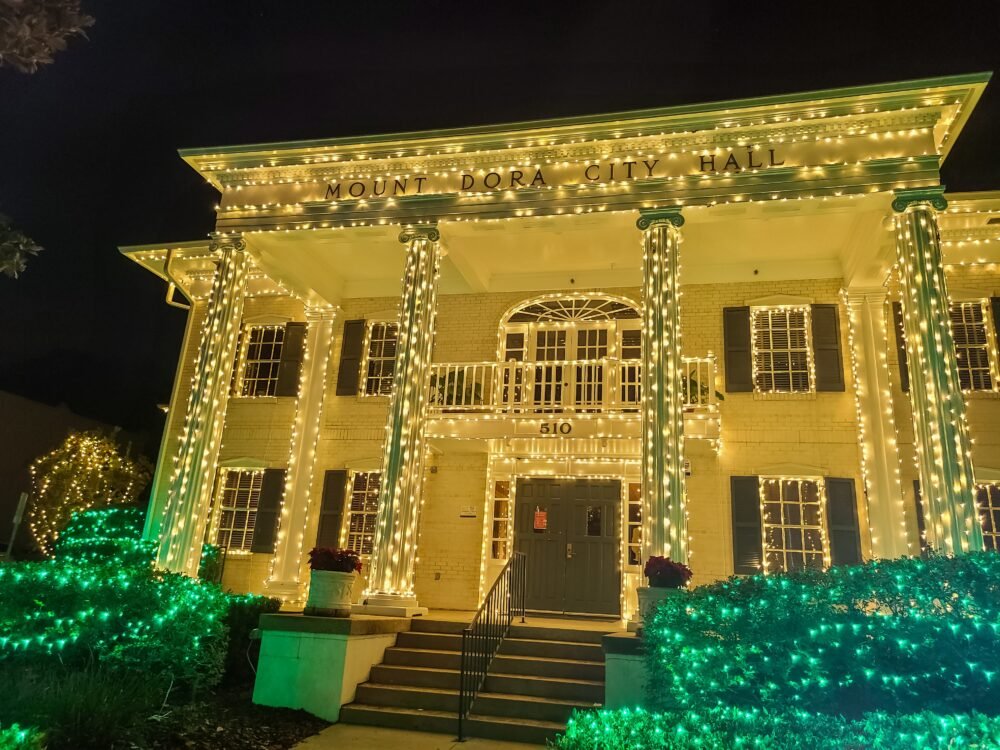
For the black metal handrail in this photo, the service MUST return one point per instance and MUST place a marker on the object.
(482, 639)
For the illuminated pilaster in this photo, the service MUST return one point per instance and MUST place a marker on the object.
(664, 516)
(284, 581)
(390, 582)
(185, 512)
(877, 429)
(938, 407)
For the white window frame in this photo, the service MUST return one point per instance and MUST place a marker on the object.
(990, 344)
(355, 540)
(220, 496)
(365, 378)
(244, 362)
(501, 535)
(992, 506)
(770, 310)
(802, 527)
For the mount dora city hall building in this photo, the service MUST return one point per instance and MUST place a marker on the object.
(756, 335)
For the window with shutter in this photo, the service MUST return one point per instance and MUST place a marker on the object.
(236, 499)
(259, 360)
(782, 358)
(969, 321)
(362, 512)
(793, 524)
(380, 359)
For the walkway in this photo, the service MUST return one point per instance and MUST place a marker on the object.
(356, 737)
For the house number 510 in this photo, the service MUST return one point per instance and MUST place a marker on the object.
(555, 428)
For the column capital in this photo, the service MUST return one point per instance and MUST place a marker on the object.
(420, 232)
(228, 239)
(933, 195)
(649, 217)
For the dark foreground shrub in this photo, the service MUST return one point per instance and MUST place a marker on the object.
(736, 729)
(88, 708)
(241, 618)
(901, 636)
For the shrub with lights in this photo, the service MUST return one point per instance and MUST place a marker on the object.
(897, 653)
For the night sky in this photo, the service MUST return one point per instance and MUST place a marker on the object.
(88, 145)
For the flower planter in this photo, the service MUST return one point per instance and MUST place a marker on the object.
(650, 596)
(330, 593)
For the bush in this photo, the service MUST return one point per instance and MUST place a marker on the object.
(110, 536)
(733, 729)
(901, 635)
(241, 618)
(16, 738)
(87, 708)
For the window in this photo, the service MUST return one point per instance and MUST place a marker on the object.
(969, 328)
(363, 511)
(500, 538)
(238, 498)
(633, 523)
(380, 358)
(782, 359)
(793, 524)
(260, 355)
(988, 500)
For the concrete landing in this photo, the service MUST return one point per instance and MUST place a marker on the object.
(356, 737)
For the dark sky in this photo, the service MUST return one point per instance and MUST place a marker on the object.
(88, 145)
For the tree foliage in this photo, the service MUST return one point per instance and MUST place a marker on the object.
(15, 246)
(88, 470)
(32, 31)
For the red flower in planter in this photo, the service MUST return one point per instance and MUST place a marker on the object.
(338, 560)
(664, 573)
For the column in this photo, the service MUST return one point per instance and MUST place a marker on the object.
(938, 407)
(869, 335)
(189, 493)
(664, 516)
(390, 581)
(284, 580)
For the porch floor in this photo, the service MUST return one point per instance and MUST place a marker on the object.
(603, 625)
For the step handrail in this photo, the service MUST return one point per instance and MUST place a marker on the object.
(482, 638)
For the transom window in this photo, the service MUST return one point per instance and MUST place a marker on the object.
(380, 359)
(565, 309)
(781, 353)
(988, 500)
(969, 322)
(260, 357)
(363, 511)
(793, 524)
(238, 498)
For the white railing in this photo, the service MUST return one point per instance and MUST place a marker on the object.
(598, 385)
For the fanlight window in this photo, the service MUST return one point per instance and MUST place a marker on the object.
(567, 309)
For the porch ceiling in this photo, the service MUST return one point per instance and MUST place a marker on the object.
(835, 238)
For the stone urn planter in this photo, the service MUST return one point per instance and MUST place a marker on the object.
(666, 579)
(331, 581)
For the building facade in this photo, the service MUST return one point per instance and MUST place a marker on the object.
(755, 335)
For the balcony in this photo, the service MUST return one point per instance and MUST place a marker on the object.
(572, 397)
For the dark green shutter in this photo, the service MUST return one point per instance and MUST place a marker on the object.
(897, 326)
(739, 367)
(995, 308)
(349, 373)
(748, 548)
(842, 521)
(827, 357)
(293, 349)
(265, 530)
(331, 513)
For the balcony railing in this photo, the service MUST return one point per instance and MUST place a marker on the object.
(583, 386)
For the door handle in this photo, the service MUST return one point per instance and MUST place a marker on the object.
(569, 551)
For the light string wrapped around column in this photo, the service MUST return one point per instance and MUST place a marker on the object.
(664, 512)
(390, 581)
(938, 406)
(189, 493)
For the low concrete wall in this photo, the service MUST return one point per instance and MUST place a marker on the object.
(317, 663)
(624, 670)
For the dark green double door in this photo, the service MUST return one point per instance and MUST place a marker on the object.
(569, 530)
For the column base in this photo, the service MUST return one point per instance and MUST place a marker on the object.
(290, 592)
(389, 605)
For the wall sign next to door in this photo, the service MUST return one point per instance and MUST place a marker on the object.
(555, 428)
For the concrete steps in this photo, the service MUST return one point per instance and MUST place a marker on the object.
(540, 676)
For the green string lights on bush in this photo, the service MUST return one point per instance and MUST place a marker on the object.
(756, 729)
(19, 738)
(902, 635)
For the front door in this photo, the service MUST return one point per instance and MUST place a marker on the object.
(568, 529)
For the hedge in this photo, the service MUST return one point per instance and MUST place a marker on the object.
(902, 636)
(734, 729)
(18, 738)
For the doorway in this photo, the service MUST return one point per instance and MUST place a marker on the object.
(569, 531)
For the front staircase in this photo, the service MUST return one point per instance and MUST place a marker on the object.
(539, 676)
